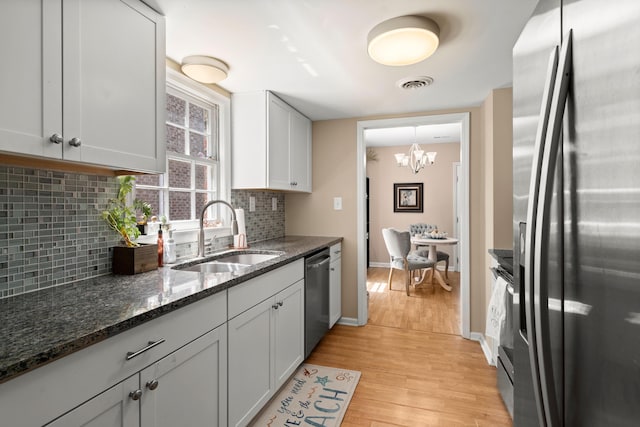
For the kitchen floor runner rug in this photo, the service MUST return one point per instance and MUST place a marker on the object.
(314, 396)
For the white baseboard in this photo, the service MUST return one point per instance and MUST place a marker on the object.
(379, 264)
(348, 321)
(477, 336)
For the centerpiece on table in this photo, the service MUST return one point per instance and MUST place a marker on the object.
(129, 257)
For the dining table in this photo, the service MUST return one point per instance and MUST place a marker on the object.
(433, 244)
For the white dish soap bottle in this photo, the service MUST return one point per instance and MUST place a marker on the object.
(170, 249)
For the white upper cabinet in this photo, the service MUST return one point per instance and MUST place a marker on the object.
(85, 82)
(271, 144)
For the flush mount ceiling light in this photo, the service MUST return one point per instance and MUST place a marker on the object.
(403, 40)
(204, 69)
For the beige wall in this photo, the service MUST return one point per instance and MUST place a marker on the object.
(498, 183)
(334, 175)
(437, 181)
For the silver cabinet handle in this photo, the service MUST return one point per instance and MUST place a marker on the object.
(56, 138)
(541, 245)
(280, 303)
(274, 306)
(132, 354)
(332, 269)
(135, 395)
(75, 142)
(152, 385)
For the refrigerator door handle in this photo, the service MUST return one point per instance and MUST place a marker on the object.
(542, 234)
(532, 214)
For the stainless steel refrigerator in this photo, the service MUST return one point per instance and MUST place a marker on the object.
(576, 171)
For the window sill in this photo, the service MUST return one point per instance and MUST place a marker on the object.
(189, 235)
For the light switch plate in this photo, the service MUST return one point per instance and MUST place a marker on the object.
(337, 203)
(252, 204)
(274, 203)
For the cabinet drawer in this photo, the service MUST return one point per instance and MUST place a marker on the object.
(336, 252)
(88, 372)
(245, 295)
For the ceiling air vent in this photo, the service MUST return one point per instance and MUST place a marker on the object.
(415, 82)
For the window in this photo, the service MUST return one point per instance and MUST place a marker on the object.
(196, 161)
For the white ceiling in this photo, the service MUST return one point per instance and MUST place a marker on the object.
(407, 135)
(312, 53)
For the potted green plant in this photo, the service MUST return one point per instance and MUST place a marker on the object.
(130, 257)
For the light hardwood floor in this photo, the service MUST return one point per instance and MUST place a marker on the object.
(429, 308)
(416, 369)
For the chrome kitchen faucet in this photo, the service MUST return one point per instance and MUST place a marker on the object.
(234, 224)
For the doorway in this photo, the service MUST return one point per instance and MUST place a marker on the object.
(463, 207)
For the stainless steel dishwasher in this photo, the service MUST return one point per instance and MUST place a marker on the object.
(316, 299)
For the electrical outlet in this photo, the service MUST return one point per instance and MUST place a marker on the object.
(274, 203)
(252, 204)
(337, 203)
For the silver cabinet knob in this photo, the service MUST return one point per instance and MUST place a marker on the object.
(280, 303)
(56, 138)
(75, 142)
(135, 395)
(152, 385)
(274, 306)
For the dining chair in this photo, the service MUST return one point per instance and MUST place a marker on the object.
(401, 257)
(422, 250)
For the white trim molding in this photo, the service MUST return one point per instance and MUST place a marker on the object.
(477, 336)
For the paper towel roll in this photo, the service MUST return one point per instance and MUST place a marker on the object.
(240, 219)
(240, 240)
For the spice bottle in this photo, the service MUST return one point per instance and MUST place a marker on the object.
(160, 248)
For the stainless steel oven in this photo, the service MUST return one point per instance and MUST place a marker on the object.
(504, 361)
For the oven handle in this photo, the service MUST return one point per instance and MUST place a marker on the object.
(497, 273)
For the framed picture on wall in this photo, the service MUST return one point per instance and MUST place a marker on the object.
(407, 197)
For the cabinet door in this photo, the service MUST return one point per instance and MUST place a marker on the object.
(278, 142)
(335, 291)
(188, 388)
(250, 362)
(289, 331)
(30, 76)
(114, 84)
(300, 152)
(113, 408)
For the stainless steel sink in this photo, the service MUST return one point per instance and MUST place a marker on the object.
(229, 262)
(217, 267)
(247, 258)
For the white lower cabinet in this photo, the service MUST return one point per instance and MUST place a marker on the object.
(288, 332)
(113, 408)
(250, 362)
(265, 347)
(266, 341)
(335, 284)
(186, 388)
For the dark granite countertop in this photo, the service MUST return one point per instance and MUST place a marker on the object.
(39, 327)
(504, 258)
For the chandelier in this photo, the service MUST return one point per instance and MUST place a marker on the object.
(417, 158)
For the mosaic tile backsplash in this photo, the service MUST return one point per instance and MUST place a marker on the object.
(51, 231)
(50, 228)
